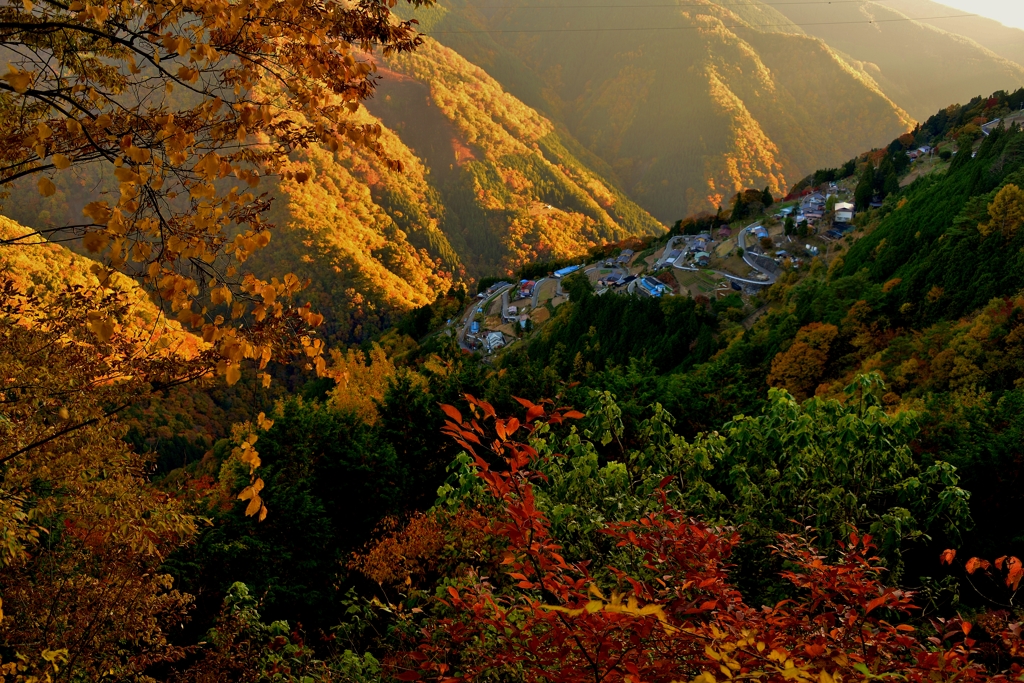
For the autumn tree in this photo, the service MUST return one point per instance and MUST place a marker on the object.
(84, 537)
(1005, 212)
(188, 105)
(800, 367)
(666, 609)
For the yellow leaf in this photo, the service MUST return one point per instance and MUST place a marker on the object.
(254, 506)
(99, 212)
(27, 5)
(18, 80)
(94, 241)
(233, 374)
(46, 187)
(220, 295)
(125, 175)
(61, 162)
(102, 328)
(137, 154)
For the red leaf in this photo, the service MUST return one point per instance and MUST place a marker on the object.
(512, 426)
(524, 402)
(534, 412)
(454, 593)
(874, 603)
(947, 556)
(408, 676)
(974, 563)
(573, 415)
(452, 412)
(1016, 569)
(999, 562)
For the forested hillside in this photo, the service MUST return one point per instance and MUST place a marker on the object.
(1003, 40)
(922, 66)
(212, 470)
(689, 113)
(486, 185)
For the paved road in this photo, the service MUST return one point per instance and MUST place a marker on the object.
(467, 317)
(535, 299)
(731, 276)
(752, 262)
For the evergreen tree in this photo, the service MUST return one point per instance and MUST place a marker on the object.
(865, 189)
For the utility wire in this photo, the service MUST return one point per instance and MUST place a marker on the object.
(725, 5)
(694, 28)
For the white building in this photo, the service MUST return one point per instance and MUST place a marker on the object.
(844, 212)
(494, 341)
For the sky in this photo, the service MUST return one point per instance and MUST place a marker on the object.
(1009, 12)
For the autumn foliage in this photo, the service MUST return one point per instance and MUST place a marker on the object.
(668, 611)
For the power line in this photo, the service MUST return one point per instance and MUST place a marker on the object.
(694, 28)
(823, 3)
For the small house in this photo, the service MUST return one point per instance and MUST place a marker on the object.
(652, 287)
(844, 212)
(494, 341)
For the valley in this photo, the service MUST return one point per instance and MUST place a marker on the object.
(375, 342)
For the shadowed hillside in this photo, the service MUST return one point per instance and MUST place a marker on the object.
(690, 106)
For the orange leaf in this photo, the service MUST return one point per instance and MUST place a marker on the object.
(1016, 572)
(452, 412)
(948, 556)
(974, 563)
(877, 602)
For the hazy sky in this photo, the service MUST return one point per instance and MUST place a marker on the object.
(1009, 12)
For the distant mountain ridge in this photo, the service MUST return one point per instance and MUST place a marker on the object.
(687, 105)
(921, 65)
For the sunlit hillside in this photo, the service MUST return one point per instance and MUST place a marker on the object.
(512, 187)
(921, 66)
(687, 104)
(46, 270)
(486, 186)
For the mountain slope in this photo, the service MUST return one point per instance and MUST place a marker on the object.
(1005, 41)
(687, 104)
(487, 185)
(919, 65)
